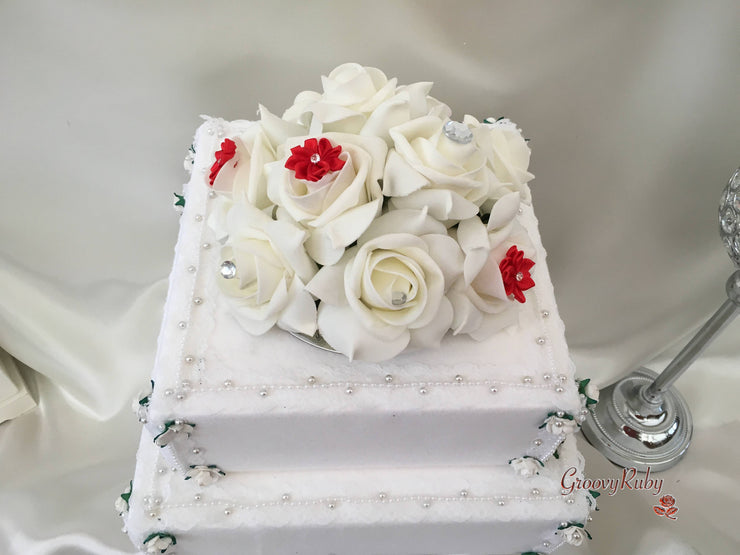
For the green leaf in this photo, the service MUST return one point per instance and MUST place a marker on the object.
(594, 493)
(556, 454)
(180, 200)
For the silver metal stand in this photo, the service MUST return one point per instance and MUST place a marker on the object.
(640, 421)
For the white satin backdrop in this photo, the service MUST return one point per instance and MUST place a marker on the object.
(633, 115)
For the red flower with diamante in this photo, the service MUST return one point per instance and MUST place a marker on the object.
(515, 273)
(314, 159)
(227, 152)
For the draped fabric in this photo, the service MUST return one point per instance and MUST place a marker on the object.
(633, 118)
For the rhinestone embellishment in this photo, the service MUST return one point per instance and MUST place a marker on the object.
(228, 270)
(315, 158)
(398, 298)
(457, 132)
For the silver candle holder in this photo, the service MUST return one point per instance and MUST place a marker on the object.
(641, 421)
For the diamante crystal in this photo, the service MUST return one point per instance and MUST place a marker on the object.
(228, 270)
(398, 298)
(458, 132)
(519, 276)
(728, 221)
(315, 158)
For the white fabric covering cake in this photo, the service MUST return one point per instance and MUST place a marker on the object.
(425, 442)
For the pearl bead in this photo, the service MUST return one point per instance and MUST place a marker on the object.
(179, 422)
(546, 377)
(228, 384)
(311, 380)
(559, 389)
(493, 389)
(198, 300)
(463, 493)
(285, 497)
(168, 392)
(537, 442)
(589, 518)
(189, 359)
(332, 505)
(382, 496)
(227, 512)
(458, 378)
(388, 378)
(545, 543)
(423, 391)
(426, 504)
(211, 194)
(541, 341)
(535, 491)
(157, 501)
(180, 396)
(152, 514)
(197, 497)
(185, 384)
(527, 379)
(501, 503)
(570, 501)
(560, 414)
(182, 324)
(263, 393)
(349, 391)
(191, 269)
(198, 218)
(206, 245)
(558, 424)
(196, 451)
(563, 524)
(545, 313)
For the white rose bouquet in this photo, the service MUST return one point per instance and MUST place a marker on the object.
(367, 215)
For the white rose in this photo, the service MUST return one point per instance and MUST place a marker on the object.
(172, 431)
(482, 306)
(507, 153)
(574, 535)
(159, 543)
(339, 207)
(428, 169)
(591, 391)
(204, 475)
(362, 100)
(525, 466)
(269, 267)
(121, 503)
(557, 426)
(388, 292)
(243, 177)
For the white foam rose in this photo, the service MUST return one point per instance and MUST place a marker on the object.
(339, 207)
(557, 426)
(271, 269)
(525, 466)
(158, 543)
(574, 535)
(362, 100)
(243, 178)
(428, 169)
(388, 292)
(507, 154)
(479, 297)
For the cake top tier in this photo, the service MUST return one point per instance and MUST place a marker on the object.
(366, 216)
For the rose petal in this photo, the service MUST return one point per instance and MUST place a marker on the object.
(413, 222)
(328, 285)
(300, 314)
(445, 251)
(443, 204)
(399, 178)
(341, 329)
(431, 335)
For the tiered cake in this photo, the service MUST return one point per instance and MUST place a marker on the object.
(422, 399)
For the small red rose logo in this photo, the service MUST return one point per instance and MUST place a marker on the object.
(666, 507)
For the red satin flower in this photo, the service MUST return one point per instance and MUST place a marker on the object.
(227, 152)
(314, 159)
(515, 273)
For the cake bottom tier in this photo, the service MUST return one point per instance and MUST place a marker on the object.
(472, 510)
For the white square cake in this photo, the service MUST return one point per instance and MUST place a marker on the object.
(425, 385)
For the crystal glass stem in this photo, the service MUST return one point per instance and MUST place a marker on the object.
(719, 320)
